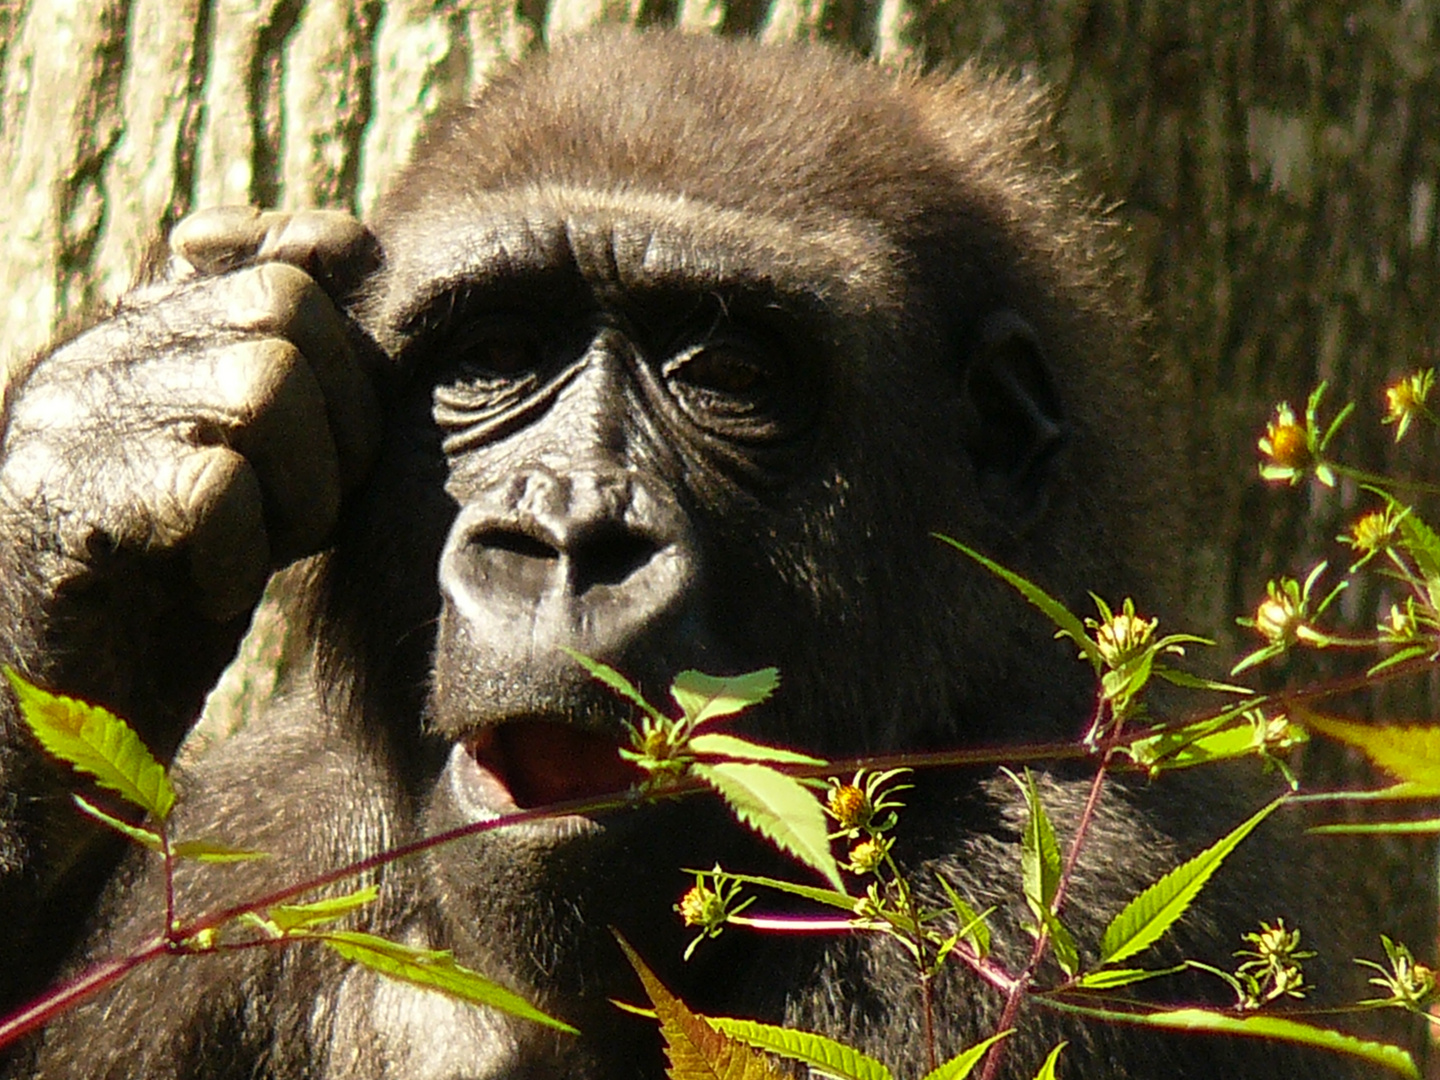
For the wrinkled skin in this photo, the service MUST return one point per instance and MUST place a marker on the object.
(652, 355)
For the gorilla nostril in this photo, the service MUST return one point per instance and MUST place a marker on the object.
(514, 543)
(610, 558)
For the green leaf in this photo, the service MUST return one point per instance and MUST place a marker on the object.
(614, 680)
(828, 897)
(703, 698)
(1408, 653)
(728, 746)
(1114, 978)
(1039, 853)
(821, 1054)
(144, 837)
(1151, 913)
(1262, 1027)
(1066, 954)
(1047, 1070)
(696, 1050)
(1057, 612)
(96, 741)
(972, 927)
(1408, 752)
(290, 917)
(1195, 682)
(778, 807)
(206, 850)
(1423, 545)
(1425, 827)
(434, 970)
(960, 1066)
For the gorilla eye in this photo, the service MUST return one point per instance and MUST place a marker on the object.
(504, 357)
(719, 370)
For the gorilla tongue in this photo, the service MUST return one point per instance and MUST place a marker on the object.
(540, 762)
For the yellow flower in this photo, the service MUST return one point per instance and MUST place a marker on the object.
(866, 856)
(701, 907)
(849, 806)
(1372, 532)
(1276, 619)
(1123, 635)
(1406, 400)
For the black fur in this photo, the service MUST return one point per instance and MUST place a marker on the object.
(685, 349)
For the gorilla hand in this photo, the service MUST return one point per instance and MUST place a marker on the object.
(201, 436)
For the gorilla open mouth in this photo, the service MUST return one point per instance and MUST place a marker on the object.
(539, 762)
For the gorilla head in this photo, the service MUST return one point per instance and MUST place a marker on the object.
(685, 350)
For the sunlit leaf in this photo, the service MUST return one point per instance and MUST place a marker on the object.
(821, 1054)
(728, 746)
(696, 1050)
(206, 850)
(828, 897)
(1409, 752)
(1047, 1070)
(1401, 656)
(1112, 978)
(288, 917)
(145, 837)
(972, 926)
(1424, 827)
(961, 1065)
(1057, 612)
(778, 807)
(1423, 544)
(703, 698)
(95, 741)
(1066, 954)
(1151, 913)
(1262, 1027)
(1039, 853)
(614, 680)
(433, 970)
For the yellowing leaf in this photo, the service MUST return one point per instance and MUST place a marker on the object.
(434, 970)
(288, 917)
(94, 740)
(1406, 751)
(696, 1050)
(206, 850)
(826, 1055)
(703, 698)
(778, 807)
(145, 837)
(1151, 913)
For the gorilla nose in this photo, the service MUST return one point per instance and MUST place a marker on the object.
(588, 560)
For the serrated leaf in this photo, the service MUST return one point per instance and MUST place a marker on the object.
(1154, 910)
(1262, 1027)
(144, 837)
(696, 1050)
(1039, 853)
(1047, 1070)
(1066, 954)
(1423, 544)
(778, 807)
(703, 698)
(1409, 752)
(962, 1064)
(821, 1054)
(729, 746)
(206, 850)
(95, 741)
(971, 926)
(821, 896)
(614, 680)
(433, 970)
(1057, 612)
(289, 917)
(1113, 978)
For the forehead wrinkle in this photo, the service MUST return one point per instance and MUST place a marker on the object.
(634, 240)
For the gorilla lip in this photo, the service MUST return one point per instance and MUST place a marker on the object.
(539, 762)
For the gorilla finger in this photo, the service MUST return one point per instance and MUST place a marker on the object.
(332, 246)
(217, 512)
(278, 299)
(276, 417)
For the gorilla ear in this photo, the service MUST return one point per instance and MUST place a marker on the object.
(1015, 422)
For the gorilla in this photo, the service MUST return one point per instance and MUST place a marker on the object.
(672, 351)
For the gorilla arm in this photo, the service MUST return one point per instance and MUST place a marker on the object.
(153, 470)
